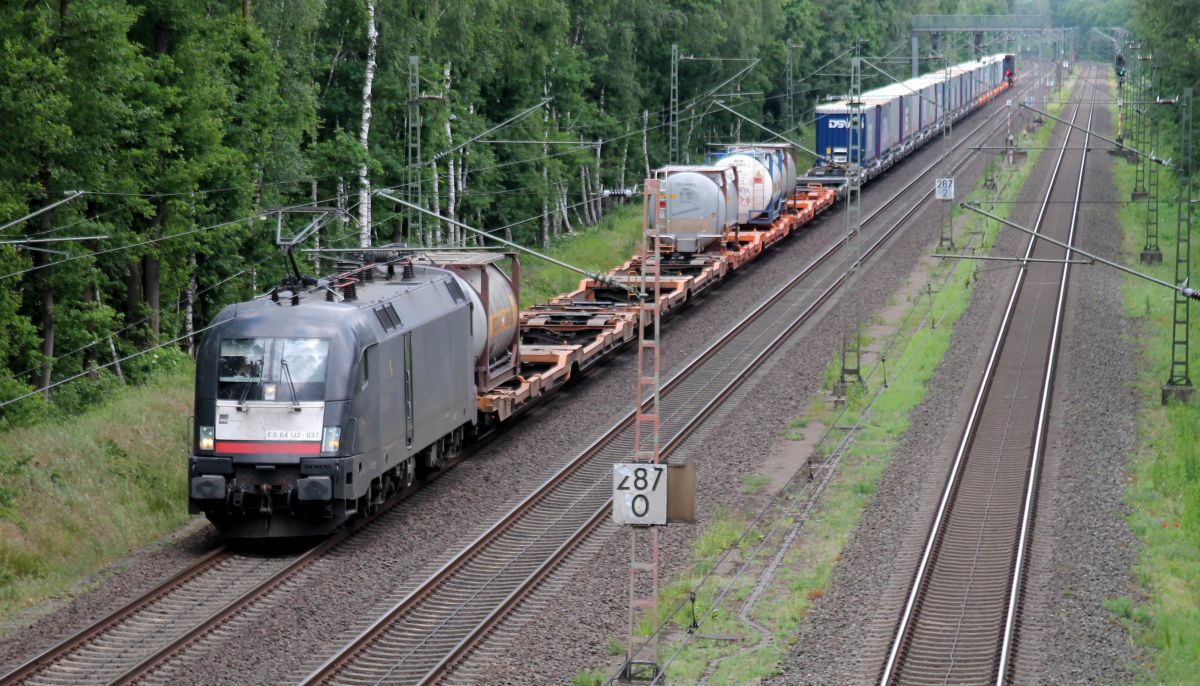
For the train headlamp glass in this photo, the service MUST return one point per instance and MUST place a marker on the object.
(268, 391)
(208, 437)
(331, 439)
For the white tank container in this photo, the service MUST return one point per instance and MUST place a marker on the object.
(789, 158)
(700, 206)
(759, 185)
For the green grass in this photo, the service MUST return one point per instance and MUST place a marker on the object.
(1163, 493)
(590, 677)
(753, 483)
(803, 578)
(79, 493)
(597, 249)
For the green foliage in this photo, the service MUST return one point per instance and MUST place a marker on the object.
(615, 240)
(78, 493)
(590, 677)
(615, 647)
(1164, 492)
(194, 120)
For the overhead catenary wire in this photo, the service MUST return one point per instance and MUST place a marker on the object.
(72, 195)
(160, 239)
(106, 365)
(602, 278)
(116, 333)
(232, 222)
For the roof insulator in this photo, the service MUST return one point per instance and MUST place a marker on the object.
(350, 291)
(295, 298)
(328, 295)
(409, 272)
(275, 294)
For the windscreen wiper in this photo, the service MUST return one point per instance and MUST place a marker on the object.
(295, 401)
(241, 406)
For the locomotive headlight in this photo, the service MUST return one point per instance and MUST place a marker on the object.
(268, 391)
(331, 439)
(208, 437)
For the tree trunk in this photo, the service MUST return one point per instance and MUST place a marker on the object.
(150, 277)
(624, 159)
(133, 292)
(545, 212)
(316, 257)
(562, 208)
(189, 314)
(342, 201)
(45, 315)
(112, 349)
(364, 131)
(89, 352)
(598, 188)
(459, 190)
(151, 290)
(545, 170)
(585, 193)
(437, 205)
(451, 194)
(645, 149)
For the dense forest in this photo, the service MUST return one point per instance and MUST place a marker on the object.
(172, 130)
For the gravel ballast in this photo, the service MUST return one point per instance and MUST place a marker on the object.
(1081, 547)
(550, 650)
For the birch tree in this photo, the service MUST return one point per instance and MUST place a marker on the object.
(364, 131)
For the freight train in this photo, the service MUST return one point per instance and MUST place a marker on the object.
(900, 117)
(315, 404)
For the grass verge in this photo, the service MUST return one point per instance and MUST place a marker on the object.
(599, 248)
(77, 494)
(1164, 489)
(768, 628)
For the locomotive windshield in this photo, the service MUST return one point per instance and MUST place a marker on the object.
(269, 369)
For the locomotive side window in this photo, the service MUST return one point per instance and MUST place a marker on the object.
(247, 366)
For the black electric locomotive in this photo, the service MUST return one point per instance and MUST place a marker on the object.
(313, 405)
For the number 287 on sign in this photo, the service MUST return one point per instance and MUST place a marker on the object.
(639, 493)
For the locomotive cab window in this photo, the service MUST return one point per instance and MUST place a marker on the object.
(278, 369)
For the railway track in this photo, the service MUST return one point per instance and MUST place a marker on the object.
(959, 624)
(136, 640)
(421, 638)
